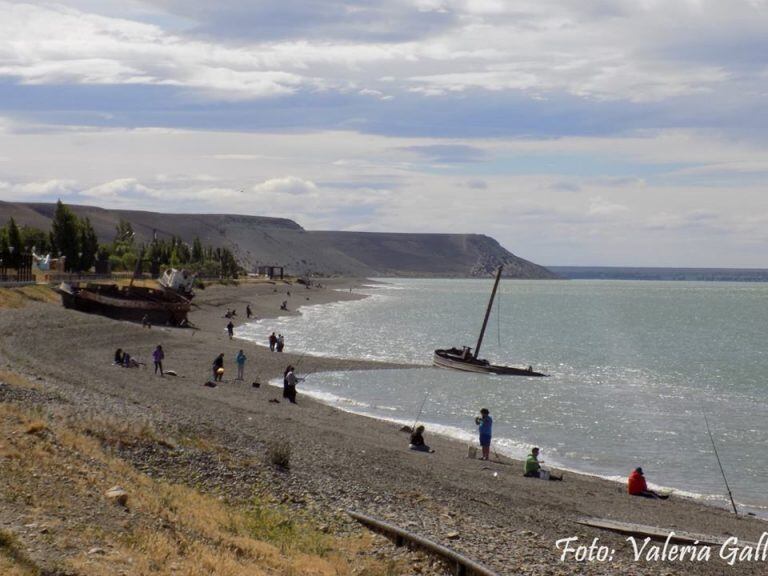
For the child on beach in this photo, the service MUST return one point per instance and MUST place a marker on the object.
(485, 429)
(157, 357)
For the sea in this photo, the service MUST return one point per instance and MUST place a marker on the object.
(656, 374)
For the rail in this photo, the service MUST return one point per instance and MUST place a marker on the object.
(462, 566)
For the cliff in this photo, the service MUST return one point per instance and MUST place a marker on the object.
(279, 241)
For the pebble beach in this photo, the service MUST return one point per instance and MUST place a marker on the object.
(339, 461)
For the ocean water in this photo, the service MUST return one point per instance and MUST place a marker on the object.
(633, 368)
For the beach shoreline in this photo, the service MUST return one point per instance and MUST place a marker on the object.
(485, 510)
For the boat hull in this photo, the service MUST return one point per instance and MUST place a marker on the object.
(454, 360)
(127, 303)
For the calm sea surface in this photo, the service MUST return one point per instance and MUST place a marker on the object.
(633, 367)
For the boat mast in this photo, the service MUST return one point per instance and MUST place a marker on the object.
(488, 312)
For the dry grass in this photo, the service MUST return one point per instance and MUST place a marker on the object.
(173, 528)
(279, 454)
(17, 381)
(13, 560)
(20, 297)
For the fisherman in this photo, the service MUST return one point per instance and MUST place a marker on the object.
(289, 382)
(533, 467)
(485, 429)
(417, 441)
(240, 360)
(636, 486)
(218, 367)
(272, 342)
(157, 356)
(231, 330)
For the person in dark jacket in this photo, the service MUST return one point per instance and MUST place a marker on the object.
(417, 441)
(218, 367)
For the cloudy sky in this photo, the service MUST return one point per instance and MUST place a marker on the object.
(589, 132)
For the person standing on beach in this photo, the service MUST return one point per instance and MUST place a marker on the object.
(485, 428)
(280, 342)
(272, 342)
(231, 330)
(240, 360)
(248, 311)
(218, 367)
(289, 384)
(158, 356)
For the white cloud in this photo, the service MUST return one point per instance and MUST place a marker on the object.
(119, 188)
(599, 207)
(286, 185)
(595, 50)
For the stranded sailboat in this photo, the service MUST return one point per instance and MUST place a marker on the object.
(468, 361)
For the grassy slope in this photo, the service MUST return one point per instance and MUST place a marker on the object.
(165, 528)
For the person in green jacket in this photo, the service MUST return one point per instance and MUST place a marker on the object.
(533, 467)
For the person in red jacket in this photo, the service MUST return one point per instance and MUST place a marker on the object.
(636, 486)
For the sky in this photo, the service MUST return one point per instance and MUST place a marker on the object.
(589, 132)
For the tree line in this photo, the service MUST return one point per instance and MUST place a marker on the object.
(75, 239)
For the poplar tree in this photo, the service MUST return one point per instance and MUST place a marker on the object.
(65, 234)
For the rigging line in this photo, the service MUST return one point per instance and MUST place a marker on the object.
(711, 439)
(498, 320)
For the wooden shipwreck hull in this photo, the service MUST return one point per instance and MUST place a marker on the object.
(134, 303)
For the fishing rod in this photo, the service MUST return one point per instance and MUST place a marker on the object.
(418, 414)
(711, 439)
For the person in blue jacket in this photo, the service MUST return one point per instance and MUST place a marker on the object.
(485, 428)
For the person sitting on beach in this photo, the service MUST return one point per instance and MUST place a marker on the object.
(119, 357)
(129, 362)
(636, 486)
(417, 441)
(284, 305)
(533, 467)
